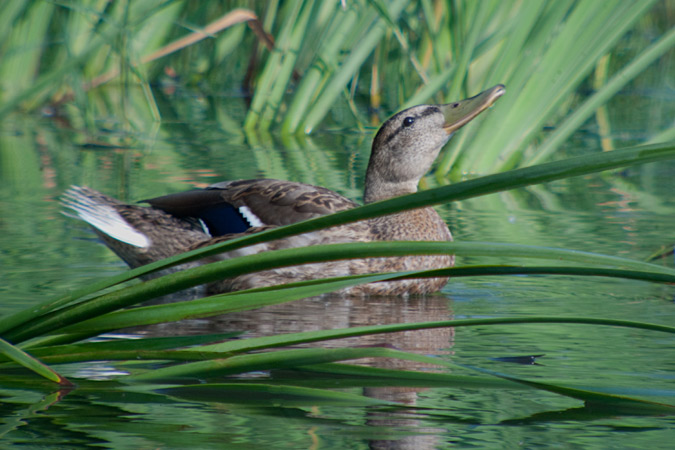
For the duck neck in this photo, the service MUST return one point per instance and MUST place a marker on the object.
(378, 188)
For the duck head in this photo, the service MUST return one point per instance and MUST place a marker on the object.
(408, 143)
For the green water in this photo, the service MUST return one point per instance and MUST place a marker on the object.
(626, 213)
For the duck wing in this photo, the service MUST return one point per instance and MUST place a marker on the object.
(236, 206)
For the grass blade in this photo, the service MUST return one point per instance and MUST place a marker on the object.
(348, 69)
(262, 261)
(266, 361)
(618, 81)
(267, 394)
(19, 356)
(617, 404)
(267, 342)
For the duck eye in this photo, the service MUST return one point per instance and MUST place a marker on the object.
(408, 121)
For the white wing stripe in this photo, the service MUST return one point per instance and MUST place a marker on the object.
(251, 218)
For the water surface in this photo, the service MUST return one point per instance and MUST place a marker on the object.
(627, 213)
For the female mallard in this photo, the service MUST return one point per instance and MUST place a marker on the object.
(403, 151)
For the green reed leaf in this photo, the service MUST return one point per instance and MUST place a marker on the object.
(267, 394)
(20, 357)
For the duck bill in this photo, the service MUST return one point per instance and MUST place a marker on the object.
(460, 113)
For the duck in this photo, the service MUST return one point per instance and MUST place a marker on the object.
(403, 151)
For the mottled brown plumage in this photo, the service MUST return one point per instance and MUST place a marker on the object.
(403, 151)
